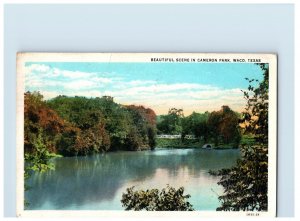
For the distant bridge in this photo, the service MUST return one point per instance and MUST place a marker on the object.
(176, 136)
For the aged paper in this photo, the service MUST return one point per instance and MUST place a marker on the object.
(151, 134)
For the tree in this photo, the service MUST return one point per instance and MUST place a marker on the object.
(213, 126)
(224, 126)
(144, 120)
(151, 136)
(196, 124)
(168, 199)
(246, 184)
(39, 158)
(229, 127)
(41, 125)
(100, 125)
(39, 118)
(172, 122)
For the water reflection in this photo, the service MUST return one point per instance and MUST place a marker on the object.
(97, 182)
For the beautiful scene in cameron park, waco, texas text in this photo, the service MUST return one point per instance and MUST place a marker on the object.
(146, 136)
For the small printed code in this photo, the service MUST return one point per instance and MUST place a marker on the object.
(252, 214)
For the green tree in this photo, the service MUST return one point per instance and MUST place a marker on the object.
(38, 160)
(213, 123)
(168, 199)
(246, 184)
(100, 125)
(151, 135)
(196, 124)
(172, 122)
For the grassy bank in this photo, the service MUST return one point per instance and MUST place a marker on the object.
(195, 143)
(177, 143)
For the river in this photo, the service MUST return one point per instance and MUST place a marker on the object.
(97, 182)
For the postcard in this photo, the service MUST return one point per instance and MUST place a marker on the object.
(155, 134)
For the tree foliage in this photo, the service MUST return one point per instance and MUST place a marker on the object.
(41, 125)
(171, 123)
(196, 124)
(168, 199)
(223, 126)
(73, 126)
(218, 127)
(246, 184)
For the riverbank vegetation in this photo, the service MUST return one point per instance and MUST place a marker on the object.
(220, 128)
(178, 143)
(168, 199)
(246, 184)
(72, 126)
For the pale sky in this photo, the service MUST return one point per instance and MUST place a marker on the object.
(195, 87)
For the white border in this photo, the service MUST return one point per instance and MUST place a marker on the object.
(22, 58)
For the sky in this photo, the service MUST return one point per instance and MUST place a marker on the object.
(192, 87)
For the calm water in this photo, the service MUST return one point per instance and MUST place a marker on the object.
(97, 182)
